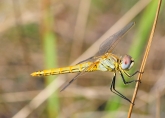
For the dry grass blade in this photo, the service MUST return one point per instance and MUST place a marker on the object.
(80, 27)
(145, 58)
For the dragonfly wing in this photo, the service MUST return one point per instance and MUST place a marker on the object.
(110, 43)
(88, 59)
(81, 73)
(70, 82)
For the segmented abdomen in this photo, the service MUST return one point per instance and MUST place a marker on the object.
(64, 70)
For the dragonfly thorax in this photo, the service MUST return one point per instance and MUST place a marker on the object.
(126, 62)
(110, 63)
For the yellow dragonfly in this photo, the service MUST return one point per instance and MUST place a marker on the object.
(103, 60)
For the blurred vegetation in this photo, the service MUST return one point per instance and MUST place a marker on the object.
(24, 39)
(50, 54)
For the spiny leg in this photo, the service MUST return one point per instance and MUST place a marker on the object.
(136, 73)
(112, 87)
(132, 74)
(125, 82)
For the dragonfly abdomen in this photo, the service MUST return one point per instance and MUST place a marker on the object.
(64, 70)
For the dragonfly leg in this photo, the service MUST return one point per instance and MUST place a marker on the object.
(112, 88)
(132, 74)
(125, 82)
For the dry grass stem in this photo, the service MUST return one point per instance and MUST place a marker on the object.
(158, 105)
(145, 58)
(80, 26)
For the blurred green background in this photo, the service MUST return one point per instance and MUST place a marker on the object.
(37, 35)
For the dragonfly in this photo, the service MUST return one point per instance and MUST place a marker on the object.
(103, 60)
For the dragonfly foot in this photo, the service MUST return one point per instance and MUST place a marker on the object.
(132, 103)
(138, 81)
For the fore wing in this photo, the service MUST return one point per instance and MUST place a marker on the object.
(110, 43)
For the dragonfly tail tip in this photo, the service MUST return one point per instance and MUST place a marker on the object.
(33, 74)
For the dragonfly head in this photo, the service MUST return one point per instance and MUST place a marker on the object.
(126, 62)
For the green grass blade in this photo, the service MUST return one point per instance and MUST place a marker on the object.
(49, 45)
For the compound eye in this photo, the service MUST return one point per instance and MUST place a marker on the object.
(127, 62)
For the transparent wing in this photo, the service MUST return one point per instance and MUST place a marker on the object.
(79, 74)
(110, 43)
(90, 59)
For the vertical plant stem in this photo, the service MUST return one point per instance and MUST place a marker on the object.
(80, 26)
(158, 105)
(145, 56)
(49, 45)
